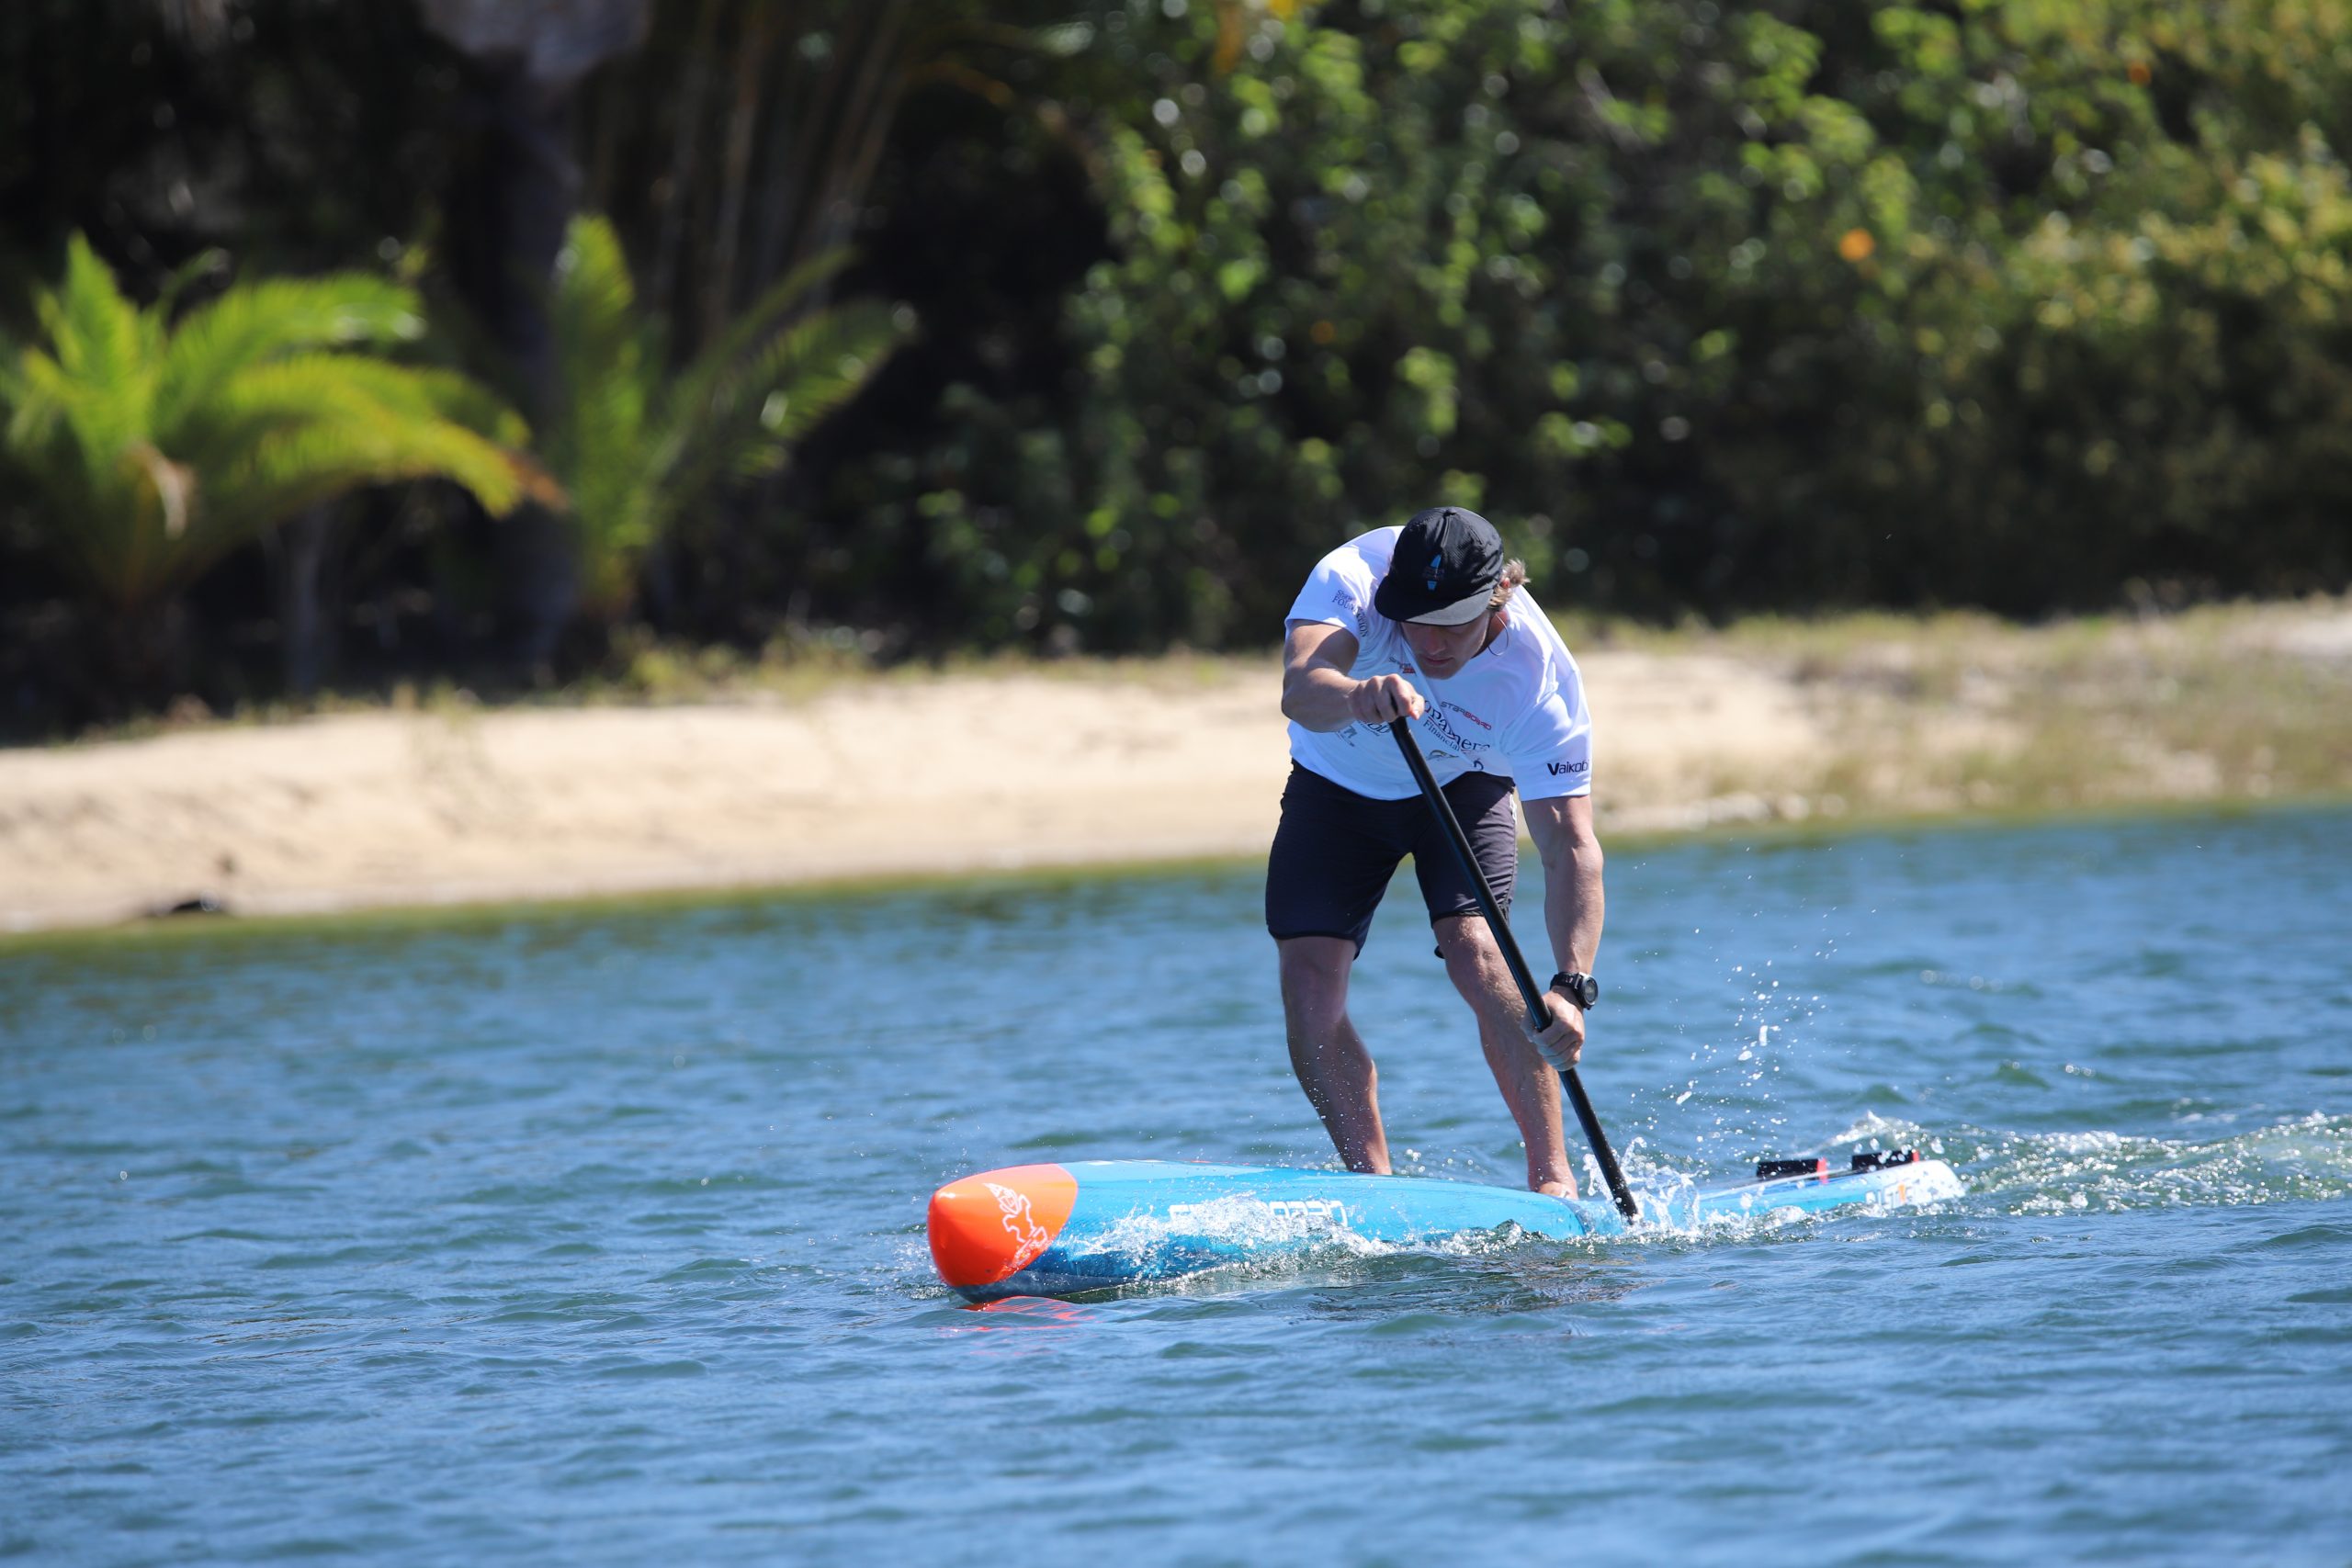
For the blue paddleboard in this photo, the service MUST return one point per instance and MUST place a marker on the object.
(1055, 1230)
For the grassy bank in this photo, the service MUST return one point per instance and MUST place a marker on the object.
(1956, 713)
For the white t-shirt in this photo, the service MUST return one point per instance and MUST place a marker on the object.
(1516, 709)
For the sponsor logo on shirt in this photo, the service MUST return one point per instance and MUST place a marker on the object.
(1467, 714)
(1556, 769)
(1439, 724)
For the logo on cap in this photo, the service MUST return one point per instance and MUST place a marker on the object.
(1437, 562)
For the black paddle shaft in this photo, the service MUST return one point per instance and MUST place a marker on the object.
(1539, 1017)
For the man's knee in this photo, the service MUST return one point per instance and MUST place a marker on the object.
(1473, 960)
(1315, 976)
(1467, 945)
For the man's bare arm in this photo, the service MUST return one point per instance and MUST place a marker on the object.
(1319, 692)
(1562, 829)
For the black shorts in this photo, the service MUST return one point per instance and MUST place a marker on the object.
(1336, 852)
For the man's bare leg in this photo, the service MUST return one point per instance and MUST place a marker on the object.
(1530, 1087)
(1332, 1063)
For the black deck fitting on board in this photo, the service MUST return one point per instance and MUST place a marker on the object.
(1778, 1169)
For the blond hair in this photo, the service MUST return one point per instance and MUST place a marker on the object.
(1514, 575)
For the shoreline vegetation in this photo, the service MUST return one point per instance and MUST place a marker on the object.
(708, 773)
(482, 343)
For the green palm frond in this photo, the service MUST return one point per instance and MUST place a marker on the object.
(700, 383)
(604, 358)
(380, 407)
(299, 465)
(98, 377)
(607, 362)
(761, 411)
(37, 391)
(97, 333)
(817, 366)
(280, 317)
(462, 401)
(596, 297)
(634, 449)
(150, 451)
(186, 275)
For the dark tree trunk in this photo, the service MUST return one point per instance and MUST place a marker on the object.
(506, 214)
(145, 650)
(303, 548)
(678, 184)
(510, 200)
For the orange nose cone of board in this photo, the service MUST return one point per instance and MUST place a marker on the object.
(987, 1226)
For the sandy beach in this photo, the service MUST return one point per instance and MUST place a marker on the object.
(451, 803)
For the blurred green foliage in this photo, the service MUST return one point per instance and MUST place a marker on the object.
(1711, 308)
(634, 445)
(154, 445)
(2025, 305)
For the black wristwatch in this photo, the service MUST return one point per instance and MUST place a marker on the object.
(1581, 990)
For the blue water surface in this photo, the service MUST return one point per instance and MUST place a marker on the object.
(595, 1237)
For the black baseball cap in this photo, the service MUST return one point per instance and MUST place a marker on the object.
(1447, 563)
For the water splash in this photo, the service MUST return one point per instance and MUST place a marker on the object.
(2298, 1158)
(1246, 1223)
(2302, 1159)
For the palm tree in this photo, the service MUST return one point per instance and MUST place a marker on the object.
(152, 448)
(634, 445)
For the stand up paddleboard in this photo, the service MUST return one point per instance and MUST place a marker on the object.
(1058, 1230)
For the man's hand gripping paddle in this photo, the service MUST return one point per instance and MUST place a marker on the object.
(1539, 1017)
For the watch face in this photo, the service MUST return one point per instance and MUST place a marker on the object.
(1581, 990)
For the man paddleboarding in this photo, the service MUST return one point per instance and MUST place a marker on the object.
(1428, 624)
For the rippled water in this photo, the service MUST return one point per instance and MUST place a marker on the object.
(594, 1237)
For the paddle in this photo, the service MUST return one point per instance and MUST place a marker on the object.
(1538, 1016)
